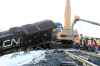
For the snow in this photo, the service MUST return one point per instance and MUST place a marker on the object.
(20, 58)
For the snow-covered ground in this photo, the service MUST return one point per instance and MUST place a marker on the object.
(20, 58)
(33, 58)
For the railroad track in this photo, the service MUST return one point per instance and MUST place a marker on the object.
(86, 58)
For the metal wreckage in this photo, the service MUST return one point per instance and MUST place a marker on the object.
(36, 36)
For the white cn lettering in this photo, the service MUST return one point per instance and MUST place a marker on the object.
(11, 42)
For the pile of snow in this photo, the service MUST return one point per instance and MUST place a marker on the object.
(20, 58)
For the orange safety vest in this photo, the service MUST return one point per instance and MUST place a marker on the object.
(91, 43)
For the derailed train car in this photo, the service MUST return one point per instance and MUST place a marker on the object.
(35, 36)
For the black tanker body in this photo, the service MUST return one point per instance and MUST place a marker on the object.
(35, 36)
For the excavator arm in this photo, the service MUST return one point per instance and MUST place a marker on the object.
(77, 18)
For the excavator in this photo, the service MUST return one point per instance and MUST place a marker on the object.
(68, 35)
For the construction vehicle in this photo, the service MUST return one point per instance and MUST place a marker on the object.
(67, 35)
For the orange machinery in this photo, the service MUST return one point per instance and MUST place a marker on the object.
(67, 35)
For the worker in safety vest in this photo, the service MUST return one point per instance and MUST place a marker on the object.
(91, 44)
(97, 45)
(86, 43)
(76, 44)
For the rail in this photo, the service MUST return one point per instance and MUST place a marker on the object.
(81, 59)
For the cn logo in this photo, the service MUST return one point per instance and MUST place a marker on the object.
(9, 43)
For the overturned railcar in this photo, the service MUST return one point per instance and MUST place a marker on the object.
(35, 36)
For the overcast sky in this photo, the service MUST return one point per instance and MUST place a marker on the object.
(20, 12)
